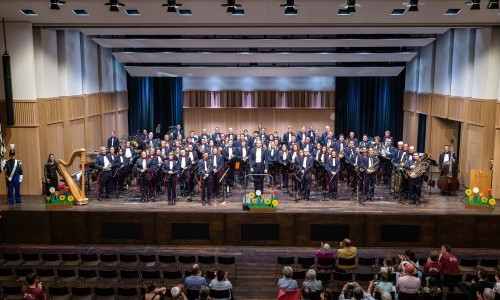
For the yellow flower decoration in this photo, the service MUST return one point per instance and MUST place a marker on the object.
(263, 197)
(254, 201)
(56, 193)
(267, 201)
(492, 201)
(275, 202)
(62, 197)
(251, 195)
(71, 198)
(484, 199)
(468, 192)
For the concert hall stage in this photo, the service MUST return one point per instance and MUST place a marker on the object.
(380, 223)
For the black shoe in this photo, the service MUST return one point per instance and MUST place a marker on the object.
(19, 202)
(99, 199)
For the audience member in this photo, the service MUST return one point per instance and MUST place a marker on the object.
(33, 290)
(177, 293)
(357, 292)
(407, 283)
(305, 293)
(325, 251)
(204, 293)
(496, 288)
(154, 293)
(432, 267)
(474, 287)
(346, 251)
(432, 288)
(221, 283)
(449, 262)
(382, 285)
(488, 294)
(286, 282)
(327, 295)
(386, 296)
(195, 281)
(311, 281)
(409, 258)
(388, 266)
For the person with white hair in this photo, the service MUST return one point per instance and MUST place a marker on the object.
(177, 293)
(488, 294)
(286, 282)
(104, 163)
(311, 282)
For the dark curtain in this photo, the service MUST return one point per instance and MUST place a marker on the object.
(369, 105)
(153, 101)
(422, 127)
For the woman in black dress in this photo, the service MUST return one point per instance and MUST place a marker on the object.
(50, 171)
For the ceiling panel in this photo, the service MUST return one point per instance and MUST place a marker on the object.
(260, 43)
(260, 72)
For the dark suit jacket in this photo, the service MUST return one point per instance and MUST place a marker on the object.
(114, 142)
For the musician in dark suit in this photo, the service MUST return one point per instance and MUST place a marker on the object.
(258, 165)
(171, 169)
(365, 142)
(216, 137)
(231, 135)
(205, 169)
(104, 164)
(352, 138)
(152, 142)
(113, 141)
(369, 165)
(121, 162)
(272, 160)
(177, 132)
(230, 156)
(311, 133)
(142, 167)
(13, 177)
(324, 136)
(243, 153)
(333, 169)
(302, 134)
(415, 191)
(185, 166)
(287, 136)
(217, 169)
(129, 151)
(114, 168)
(444, 158)
(205, 135)
(157, 177)
(305, 166)
(283, 160)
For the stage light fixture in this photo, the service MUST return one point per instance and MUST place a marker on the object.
(290, 9)
(114, 5)
(351, 5)
(54, 4)
(413, 5)
(475, 4)
(493, 4)
(232, 8)
(172, 6)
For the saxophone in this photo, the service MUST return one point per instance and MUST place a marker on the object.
(420, 166)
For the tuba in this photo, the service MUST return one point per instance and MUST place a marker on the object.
(420, 167)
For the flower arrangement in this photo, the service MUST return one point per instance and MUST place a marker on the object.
(262, 203)
(59, 199)
(477, 200)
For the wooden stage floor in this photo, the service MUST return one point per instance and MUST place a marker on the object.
(433, 202)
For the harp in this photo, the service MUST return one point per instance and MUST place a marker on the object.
(77, 191)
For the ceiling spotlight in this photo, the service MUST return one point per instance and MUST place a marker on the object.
(474, 4)
(172, 5)
(290, 9)
(350, 6)
(493, 4)
(232, 7)
(412, 5)
(114, 5)
(54, 4)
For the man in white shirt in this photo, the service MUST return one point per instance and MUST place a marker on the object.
(258, 165)
(104, 164)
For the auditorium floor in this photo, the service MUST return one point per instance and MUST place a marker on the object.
(433, 202)
(256, 266)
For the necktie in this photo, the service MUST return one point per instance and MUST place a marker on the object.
(370, 162)
(206, 168)
(112, 141)
(333, 162)
(272, 152)
(144, 164)
(304, 164)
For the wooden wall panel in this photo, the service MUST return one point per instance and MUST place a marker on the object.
(68, 227)
(76, 108)
(53, 110)
(456, 109)
(26, 113)
(108, 102)
(409, 101)
(497, 115)
(475, 147)
(496, 165)
(423, 104)
(26, 227)
(55, 136)
(447, 233)
(94, 139)
(273, 119)
(410, 128)
(121, 99)
(93, 105)
(486, 230)
(439, 105)
(108, 124)
(78, 134)
(476, 112)
(122, 123)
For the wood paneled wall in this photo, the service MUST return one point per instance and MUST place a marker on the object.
(60, 125)
(480, 126)
(273, 119)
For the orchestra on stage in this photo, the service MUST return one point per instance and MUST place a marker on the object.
(294, 162)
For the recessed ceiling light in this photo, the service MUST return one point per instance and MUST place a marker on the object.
(185, 12)
(494, 4)
(452, 12)
(398, 12)
(80, 12)
(132, 12)
(344, 12)
(28, 12)
(238, 12)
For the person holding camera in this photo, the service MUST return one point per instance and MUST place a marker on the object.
(221, 283)
(33, 290)
(352, 290)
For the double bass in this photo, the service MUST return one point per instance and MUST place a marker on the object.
(448, 181)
